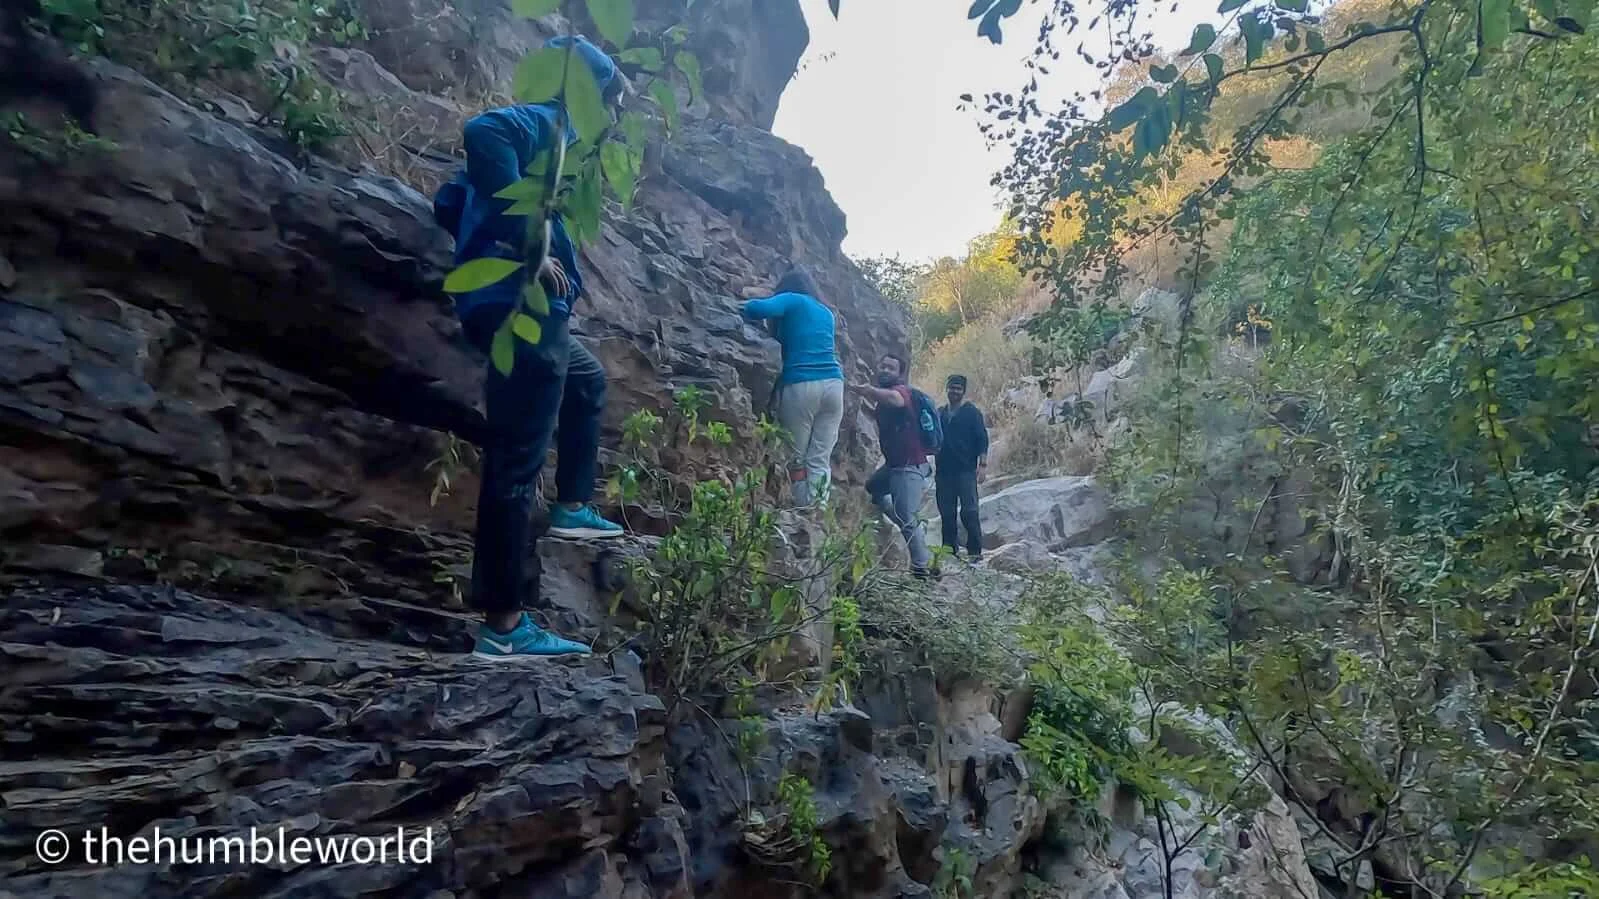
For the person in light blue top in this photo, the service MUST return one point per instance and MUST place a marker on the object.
(810, 391)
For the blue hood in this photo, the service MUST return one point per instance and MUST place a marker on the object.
(499, 144)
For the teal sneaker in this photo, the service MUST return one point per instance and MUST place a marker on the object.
(525, 641)
(581, 522)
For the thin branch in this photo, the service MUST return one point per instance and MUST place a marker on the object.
(1544, 307)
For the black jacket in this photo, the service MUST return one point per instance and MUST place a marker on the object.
(965, 439)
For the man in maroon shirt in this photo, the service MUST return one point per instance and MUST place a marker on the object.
(897, 487)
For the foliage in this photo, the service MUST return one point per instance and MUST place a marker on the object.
(1032, 447)
(992, 360)
(954, 878)
(957, 292)
(1078, 730)
(1068, 340)
(571, 181)
(1429, 289)
(718, 602)
(455, 457)
(897, 280)
(792, 838)
(57, 146)
(902, 616)
(798, 799)
(181, 42)
(1117, 702)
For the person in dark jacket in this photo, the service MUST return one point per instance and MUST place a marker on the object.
(962, 463)
(556, 387)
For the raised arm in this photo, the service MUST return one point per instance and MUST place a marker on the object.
(771, 307)
(897, 397)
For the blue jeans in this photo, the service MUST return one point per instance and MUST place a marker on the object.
(897, 492)
(556, 388)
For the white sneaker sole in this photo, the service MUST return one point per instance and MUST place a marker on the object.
(525, 657)
(582, 533)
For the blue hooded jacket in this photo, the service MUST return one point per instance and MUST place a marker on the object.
(500, 144)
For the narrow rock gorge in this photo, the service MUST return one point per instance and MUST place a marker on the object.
(229, 385)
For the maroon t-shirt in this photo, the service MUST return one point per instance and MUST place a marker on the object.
(898, 433)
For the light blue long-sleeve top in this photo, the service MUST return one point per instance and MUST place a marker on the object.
(805, 331)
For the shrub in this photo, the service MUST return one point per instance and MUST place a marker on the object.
(991, 360)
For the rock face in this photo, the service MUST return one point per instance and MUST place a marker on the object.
(1055, 513)
(137, 709)
(202, 342)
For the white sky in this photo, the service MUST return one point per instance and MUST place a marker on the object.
(909, 170)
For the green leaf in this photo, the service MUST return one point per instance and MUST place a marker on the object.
(584, 204)
(1314, 42)
(535, 299)
(527, 328)
(617, 164)
(1254, 39)
(1493, 23)
(538, 75)
(533, 9)
(584, 103)
(479, 273)
(528, 189)
(1164, 74)
(1132, 110)
(650, 59)
(1204, 36)
(614, 19)
(1230, 5)
(538, 168)
(1176, 98)
(832, 5)
(1293, 5)
(502, 351)
(635, 129)
(689, 65)
(1213, 66)
(667, 99)
(1144, 138)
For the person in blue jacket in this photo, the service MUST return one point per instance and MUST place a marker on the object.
(810, 391)
(556, 387)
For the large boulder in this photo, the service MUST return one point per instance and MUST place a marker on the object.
(1055, 513)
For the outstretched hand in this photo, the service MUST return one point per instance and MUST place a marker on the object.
(554, 278)
(754, 293)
